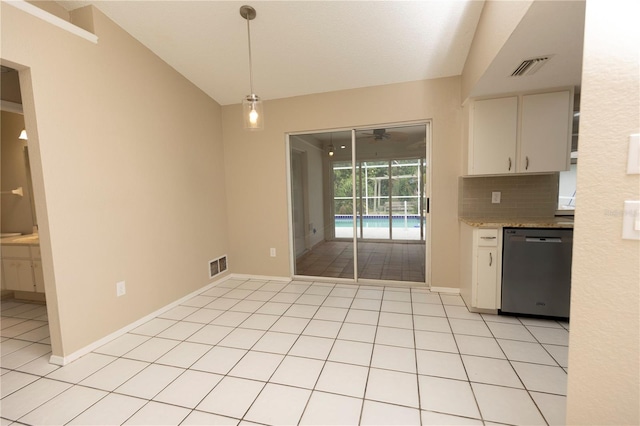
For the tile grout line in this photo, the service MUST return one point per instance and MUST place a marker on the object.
(524, 387)
(415, 354)
(475, 398)
(239, 360)
(282, 360)
(373, 348)
(313, 389)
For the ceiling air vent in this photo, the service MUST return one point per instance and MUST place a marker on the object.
(530, 66)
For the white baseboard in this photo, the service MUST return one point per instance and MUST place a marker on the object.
(63, 360)
(446, 290)
(59, 360)
(259, 277)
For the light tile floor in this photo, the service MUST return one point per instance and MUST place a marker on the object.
(265, 352)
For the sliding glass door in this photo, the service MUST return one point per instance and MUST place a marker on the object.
(368, 192)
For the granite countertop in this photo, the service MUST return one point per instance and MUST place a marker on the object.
(553, 222)
(27, 240)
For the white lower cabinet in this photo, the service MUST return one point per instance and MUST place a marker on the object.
(22, 268)
(486, 278)
(480, 250)
(18, 274)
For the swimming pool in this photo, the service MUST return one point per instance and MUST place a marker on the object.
(377, 221)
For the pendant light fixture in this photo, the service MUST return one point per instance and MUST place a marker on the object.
(251, 104)
(23, 135)
(332, 149)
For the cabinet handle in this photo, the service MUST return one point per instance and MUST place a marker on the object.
(488, 238)
(490, 258)
(526, 167)
(509, 163)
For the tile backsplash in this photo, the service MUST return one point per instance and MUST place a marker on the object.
(522, 196)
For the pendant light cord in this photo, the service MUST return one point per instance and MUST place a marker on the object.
(250, 63)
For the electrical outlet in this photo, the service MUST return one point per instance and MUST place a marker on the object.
(272, 252)
(121, 288)
(495, 197)
(631, 220)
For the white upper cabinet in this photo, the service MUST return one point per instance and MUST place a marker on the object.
(545, 137)
(521, 134)
(494, 136)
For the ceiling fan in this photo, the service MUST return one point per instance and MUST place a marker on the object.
(420, 145)
(382, 135)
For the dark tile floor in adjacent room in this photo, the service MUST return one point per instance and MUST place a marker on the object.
(394, 261)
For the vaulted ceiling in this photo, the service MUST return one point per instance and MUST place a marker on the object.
(304, 47)
(300, 47)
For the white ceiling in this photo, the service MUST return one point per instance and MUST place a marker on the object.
(300, 47)
(304, 47)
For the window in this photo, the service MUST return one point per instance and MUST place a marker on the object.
(567, 189)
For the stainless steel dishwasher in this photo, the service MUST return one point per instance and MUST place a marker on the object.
(536, 271)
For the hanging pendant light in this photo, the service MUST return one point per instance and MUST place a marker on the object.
(251, 105)
(332, 149)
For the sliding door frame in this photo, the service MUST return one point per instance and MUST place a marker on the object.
(426, 188)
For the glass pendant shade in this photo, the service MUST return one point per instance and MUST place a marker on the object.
(252, 113)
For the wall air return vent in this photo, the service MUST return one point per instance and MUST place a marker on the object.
(530, 66)
(217, 266)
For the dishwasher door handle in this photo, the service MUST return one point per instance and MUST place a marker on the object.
(543, 240)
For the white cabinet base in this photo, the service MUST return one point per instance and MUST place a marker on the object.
(480, 260)
(22, 269)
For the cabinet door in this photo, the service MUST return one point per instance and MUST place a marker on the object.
(38, 276)
(18, 274)
(486, 276)
(545, 137)
(494, 136)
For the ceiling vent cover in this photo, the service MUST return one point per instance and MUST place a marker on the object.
(530, 66)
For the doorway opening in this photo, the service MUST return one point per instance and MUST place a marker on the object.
(360, 203)
(23, 283)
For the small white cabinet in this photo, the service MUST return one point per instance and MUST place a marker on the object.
(494, 136)
(528, 133)
(486, 278)
(545, 135)
(480, 257)
(22, 268)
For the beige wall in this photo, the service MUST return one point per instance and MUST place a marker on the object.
(128, 175)
(604, 355)
(256, 166)
(314, 192)
(15, 211)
